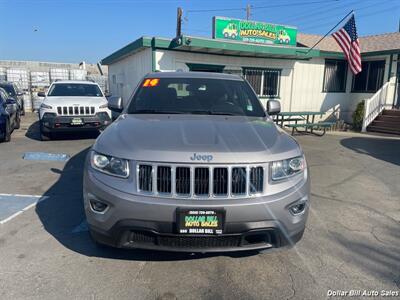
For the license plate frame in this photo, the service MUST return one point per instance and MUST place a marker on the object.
(77, 122)
(201, 221)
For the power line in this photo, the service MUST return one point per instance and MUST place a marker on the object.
(361, 16)
(325, 18)
(293, 4)
(326, 34)
(257, 7)
(321, 10)
(214, 10)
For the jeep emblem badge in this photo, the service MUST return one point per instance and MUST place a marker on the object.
(201, 157)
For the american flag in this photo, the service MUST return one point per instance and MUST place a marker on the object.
(347, 39)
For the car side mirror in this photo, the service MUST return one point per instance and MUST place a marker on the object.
(41, 94)
(11, 104)
(11, 101)
(107, 94)
(115, 104)
(273, 107)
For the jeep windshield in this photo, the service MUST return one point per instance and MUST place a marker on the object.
(8, 88)
(75, 90)
(195, 96)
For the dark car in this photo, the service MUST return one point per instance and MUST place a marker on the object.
(9, 116)
(15, 93)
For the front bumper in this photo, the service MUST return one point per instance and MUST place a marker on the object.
(133, 221)
(54, 123)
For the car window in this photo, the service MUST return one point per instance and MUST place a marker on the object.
(196, 96)
(3, 95)
(75, 90)
(9, 89)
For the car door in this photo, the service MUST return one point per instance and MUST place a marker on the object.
(18, 95)
(10, 109)
(3, 112)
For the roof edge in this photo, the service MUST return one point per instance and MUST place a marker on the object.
(142, 42)
(191, 41)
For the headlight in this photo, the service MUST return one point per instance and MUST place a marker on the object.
(45, 106)
(286, 168)
(110, 165)
(103, 105)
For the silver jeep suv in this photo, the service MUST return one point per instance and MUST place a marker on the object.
(195, 164)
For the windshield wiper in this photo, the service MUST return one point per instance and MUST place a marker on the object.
(210, 112)
(153, 111)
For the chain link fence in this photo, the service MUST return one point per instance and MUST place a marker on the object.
(32, 82)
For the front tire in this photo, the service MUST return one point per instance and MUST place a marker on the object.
(44, 136)
(23, 108)
(7, 134)
(17, 124)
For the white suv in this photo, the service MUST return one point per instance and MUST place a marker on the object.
(73, 106)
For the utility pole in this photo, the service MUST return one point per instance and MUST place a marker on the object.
(248, 11)
(179, 22)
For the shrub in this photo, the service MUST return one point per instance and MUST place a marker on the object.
(358, 116)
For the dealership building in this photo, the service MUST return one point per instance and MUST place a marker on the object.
(301, 78)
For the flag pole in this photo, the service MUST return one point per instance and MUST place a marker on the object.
(329, 31)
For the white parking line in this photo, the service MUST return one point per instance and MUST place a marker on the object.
(20, 211)
(20, 195)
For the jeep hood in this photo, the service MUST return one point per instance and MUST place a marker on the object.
(72, 101)
(175, 138)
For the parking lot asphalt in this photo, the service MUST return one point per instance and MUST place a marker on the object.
(352, 240)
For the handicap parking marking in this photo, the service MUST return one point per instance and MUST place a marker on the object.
(46, 156)
(12, 205)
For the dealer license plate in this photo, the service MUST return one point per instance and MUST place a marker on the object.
(76, 121)
(200, 221)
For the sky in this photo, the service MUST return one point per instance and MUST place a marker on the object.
(89, 30)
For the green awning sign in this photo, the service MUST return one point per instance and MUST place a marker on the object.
(253, 32)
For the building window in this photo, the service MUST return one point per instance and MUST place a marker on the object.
(114, 79)
(205, 68)
(233, 71)
(335, 76)
(265, 82)
(370, 79)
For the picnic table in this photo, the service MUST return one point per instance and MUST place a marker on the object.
(302, 120)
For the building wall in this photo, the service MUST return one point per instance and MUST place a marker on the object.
(174, 60)
(125, 74)
(301, 82)
(301, 87)
(358, 97)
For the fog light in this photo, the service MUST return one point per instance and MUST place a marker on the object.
(298, 208)
(98, 206)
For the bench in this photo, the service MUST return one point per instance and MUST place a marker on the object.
(290, 119)
(311, 126)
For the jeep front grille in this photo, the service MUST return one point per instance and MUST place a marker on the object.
(164, 179)
(145, 178)
(220, 181)
(76, 110)
(239, 181)
(200, 181)
(182, 180)
(256, 180)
